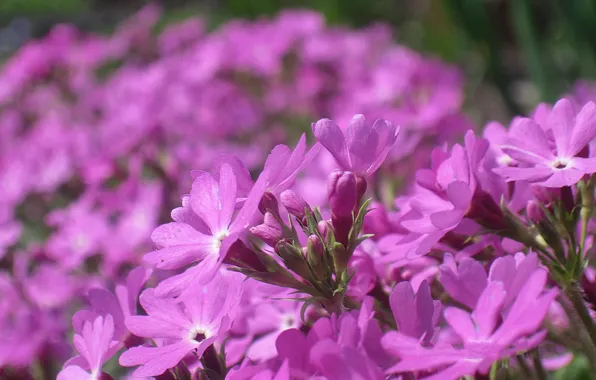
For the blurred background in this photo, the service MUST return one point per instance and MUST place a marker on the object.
(514, 53)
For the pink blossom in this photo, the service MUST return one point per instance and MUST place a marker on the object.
(95, 346)
(362, 148)
(192, 324)
(552, 166)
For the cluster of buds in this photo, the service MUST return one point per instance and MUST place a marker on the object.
(307, 252)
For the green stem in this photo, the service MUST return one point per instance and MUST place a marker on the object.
(574, 294)
(587, 207)
(540, 371)
(578, 334)
(524, 367)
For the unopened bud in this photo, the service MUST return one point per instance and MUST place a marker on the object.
(104, 376)
(315, 253)
(340, 258)
(241, 256)
(315, 243)
(294, 203)
(292, 258)
(485, 211)
(534, 212)
(361, 187)
(546, 195)
(567, 198)
(588, 284)
(269, 204)
(270, 231)
(341, 190)
(323, 228)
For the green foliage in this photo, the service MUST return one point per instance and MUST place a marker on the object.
(579, 369)
(32, 7)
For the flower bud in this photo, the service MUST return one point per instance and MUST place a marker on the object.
(485, 211)
(293, 258)
(342, 192)
(294, 203)
(567, 198)
(323, 228)
(269, 204)
(270, 231)
(546, 195)
(341, 258)
(258, 265)
(315, 254)
(361, 187)
(588, 284)
(243, 257)
(534, 212)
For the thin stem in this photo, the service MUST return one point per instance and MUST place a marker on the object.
(587, 207)
(540, 371)
(579, 334)
(573, 291)
(524, 367)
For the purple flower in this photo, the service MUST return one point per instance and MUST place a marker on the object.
(363, 148)
(190, 325)
(440, 202)
(483, 340)
(284, 165)
(336, 362)
(364, 276)
(563, 163)
(270, 319)
(119, 306)
(203, 230)
(513, 271)
(49, 286)
(464, 282)
(416, 314)
(80, 232)
(95, 346)
(138, 219)
(10, 232)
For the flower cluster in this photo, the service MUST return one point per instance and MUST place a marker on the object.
(477, 271)
(375, 247)
(98, 135)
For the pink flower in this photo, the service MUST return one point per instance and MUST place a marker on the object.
(442, 198)
(464, 282)
(192, 324)
(203, 229)
(416, 314)
(95, 346)
(119, 306)
(283, 164)
(270, 319)
(541, 162)
(10, 232)
(362, 148)
(483, 340)
(337, 362)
